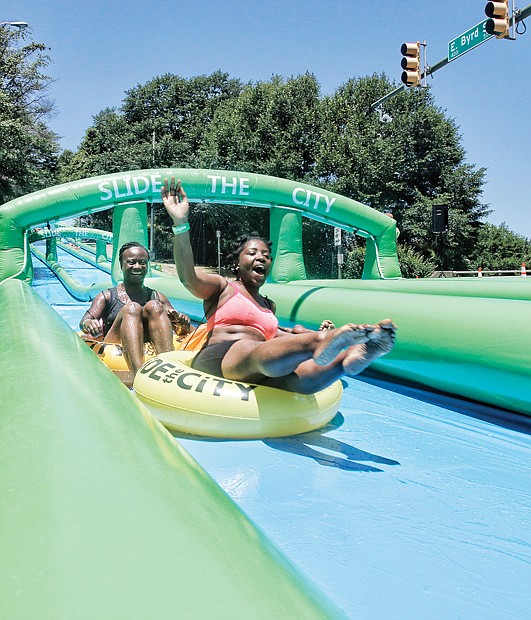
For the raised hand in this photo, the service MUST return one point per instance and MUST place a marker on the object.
(175, 200)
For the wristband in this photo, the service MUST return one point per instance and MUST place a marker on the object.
(181, 228)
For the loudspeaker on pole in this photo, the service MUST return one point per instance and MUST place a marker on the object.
(439, 218)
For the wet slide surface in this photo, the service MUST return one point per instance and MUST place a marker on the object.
(409, 504)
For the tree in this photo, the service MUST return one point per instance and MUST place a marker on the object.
(412, 264)
(499, 248)
(28, 149)
(403, 166)
(160, 124)
(178, 113)
(270, 128)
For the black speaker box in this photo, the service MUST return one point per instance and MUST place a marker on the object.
(439, 218)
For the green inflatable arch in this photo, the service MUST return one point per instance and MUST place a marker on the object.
(216, 186)
(450, 335)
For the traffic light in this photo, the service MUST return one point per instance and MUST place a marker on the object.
(410, 63)
(498, 23)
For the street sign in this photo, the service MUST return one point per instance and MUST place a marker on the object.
(468, 40)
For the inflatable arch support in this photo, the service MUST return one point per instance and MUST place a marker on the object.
(211, 186)
(70, 232)
(79, 235)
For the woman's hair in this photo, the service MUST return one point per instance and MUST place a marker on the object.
(233, 257)
(127, 246)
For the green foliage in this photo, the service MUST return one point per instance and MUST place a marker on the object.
(354, 260)
(499, 248)
(271, 128)
(412, 263)
(160, 124)
(404, 166)
(177, 113)
(283, 127)
(28, 149)
(318, 247)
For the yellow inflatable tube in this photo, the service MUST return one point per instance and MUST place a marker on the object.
(189, 401)
(111, 354)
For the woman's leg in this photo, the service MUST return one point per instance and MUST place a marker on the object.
(158, 326)
(358, 358)
(250, 360)
(128, 329)
(307, 376)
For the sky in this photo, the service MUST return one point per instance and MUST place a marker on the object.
(101, 48)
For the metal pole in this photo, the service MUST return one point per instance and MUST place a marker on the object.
(337, 243)
(517, 17)
(218, 237)
(152, 214)
(151, 230)
(383, 99)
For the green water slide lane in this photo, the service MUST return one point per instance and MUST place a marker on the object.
(104, 515)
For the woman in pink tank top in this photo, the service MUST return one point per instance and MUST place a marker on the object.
(245, 342)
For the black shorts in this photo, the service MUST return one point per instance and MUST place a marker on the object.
(209, 358)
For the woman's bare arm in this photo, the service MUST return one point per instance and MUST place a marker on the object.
(91, 322)
(201, 284)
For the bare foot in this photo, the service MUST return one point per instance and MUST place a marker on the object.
(380, 342)
(125, 376)
(335, 340)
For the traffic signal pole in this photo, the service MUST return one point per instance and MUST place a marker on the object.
(518, 16)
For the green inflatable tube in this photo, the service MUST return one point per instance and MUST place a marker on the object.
(104, 515)
(86, 256)
(474, 347)
(70, 232)
(102, 238)
(77, 290)
(499, 287)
